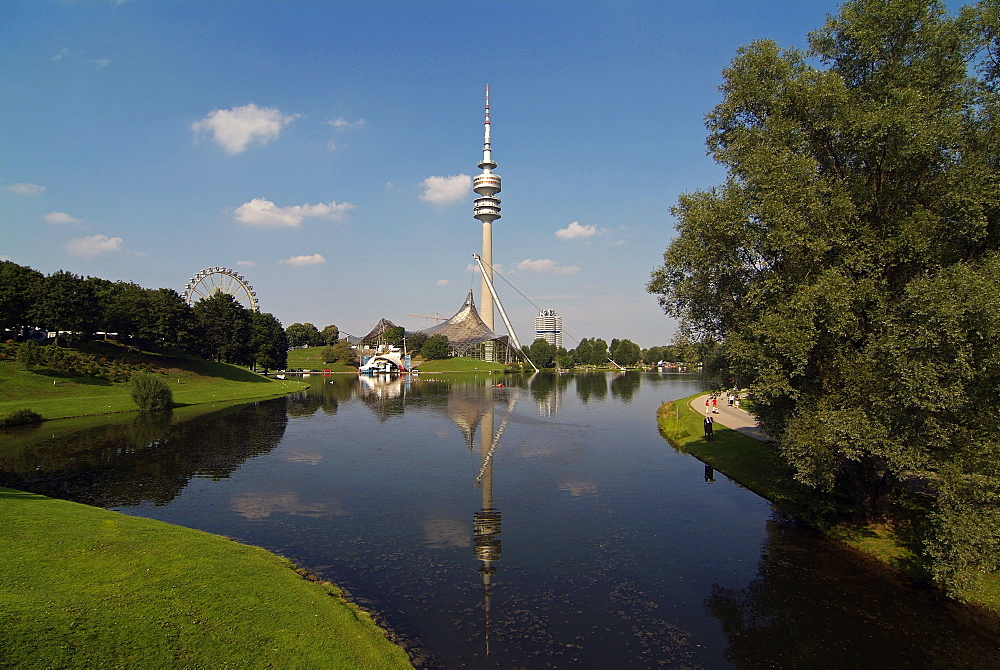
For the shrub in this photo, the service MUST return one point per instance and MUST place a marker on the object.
(151, 392)
(28, 355)
(19, 418)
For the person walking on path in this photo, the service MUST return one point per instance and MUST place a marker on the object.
(715, 404)
(730, 417)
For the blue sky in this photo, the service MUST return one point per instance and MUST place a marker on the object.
(324, 149)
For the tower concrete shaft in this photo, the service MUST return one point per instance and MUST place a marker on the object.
(486, 208)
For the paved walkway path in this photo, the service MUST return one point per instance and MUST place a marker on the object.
(731, 417)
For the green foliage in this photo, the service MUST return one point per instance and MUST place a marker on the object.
(20, 417)
(625, 352)
(303, 335)
(226, 329)
(28, 355)
(268, 342)
(849, 262)
(19, 285)
(330, 335)
(436, 346)
(343, 353)
(65, 302)
(151, 392)
(415, 341)
(394, 336)
(541, 353)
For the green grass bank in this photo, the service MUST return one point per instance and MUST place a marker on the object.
(83, 587)
(79, 385)
(756, 465)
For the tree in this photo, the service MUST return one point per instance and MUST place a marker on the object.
(19, 287)
(341, 352)
(858, 194)
(625, 352)
(303, 335)
(330, 335)
(394, 336)
(541, 352)
(598, 352)
(436, 346)
(268, 342)
(28, 354)
(581, 355)
(414, 341)
(65, 302)
(225, 327)
(169, 321)
(564, 359)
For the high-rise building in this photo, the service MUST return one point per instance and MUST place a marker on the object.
(486, 208)
(548, 326)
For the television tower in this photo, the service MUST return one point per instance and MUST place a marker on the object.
(486, 208)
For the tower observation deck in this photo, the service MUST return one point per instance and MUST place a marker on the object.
(486, 208)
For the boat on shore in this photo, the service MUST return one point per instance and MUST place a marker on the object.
(388, 361)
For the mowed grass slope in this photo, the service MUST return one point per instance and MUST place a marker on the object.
(57, 395)
(83, 587)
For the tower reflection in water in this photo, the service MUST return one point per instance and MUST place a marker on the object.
(486, 522)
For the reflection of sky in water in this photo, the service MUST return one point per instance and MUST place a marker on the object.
(584, 540)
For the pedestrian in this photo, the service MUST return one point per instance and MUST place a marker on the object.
(715, 405)
(709, 421)
(736, 402)
(708, 406)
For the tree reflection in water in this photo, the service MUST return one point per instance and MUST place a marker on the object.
(146, 460)
(806, 610)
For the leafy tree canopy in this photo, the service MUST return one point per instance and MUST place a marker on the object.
(849, 263)
(436, 346)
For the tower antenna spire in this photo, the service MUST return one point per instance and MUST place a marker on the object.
(486, 208)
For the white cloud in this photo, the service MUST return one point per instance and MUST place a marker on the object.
(340, 123)
(60, 217)
(261, 212)
(546, 265)
(443, 190)
(302, 261)
(26, 189)
(575, 231)
(234, 129)
(247, 264)
(442, 282)
(95, 245)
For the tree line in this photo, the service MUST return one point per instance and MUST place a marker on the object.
(76, 307)
(849, 265)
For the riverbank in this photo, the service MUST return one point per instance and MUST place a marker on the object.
(83, 587)
(754, 464)
(84, 387)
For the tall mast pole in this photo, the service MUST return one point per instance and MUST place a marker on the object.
(486, 208)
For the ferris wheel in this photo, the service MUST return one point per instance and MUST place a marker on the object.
(210, 281)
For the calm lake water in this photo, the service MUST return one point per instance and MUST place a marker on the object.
(543, 524)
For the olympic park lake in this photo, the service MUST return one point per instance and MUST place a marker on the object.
(541, 523)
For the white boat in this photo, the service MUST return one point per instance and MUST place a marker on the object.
(386, 362)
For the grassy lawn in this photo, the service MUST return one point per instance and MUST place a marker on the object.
(755, 465)
(57, 395)
(459, 365)
(83, 587)
(311, 358)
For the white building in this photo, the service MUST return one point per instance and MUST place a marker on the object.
(548, 326)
